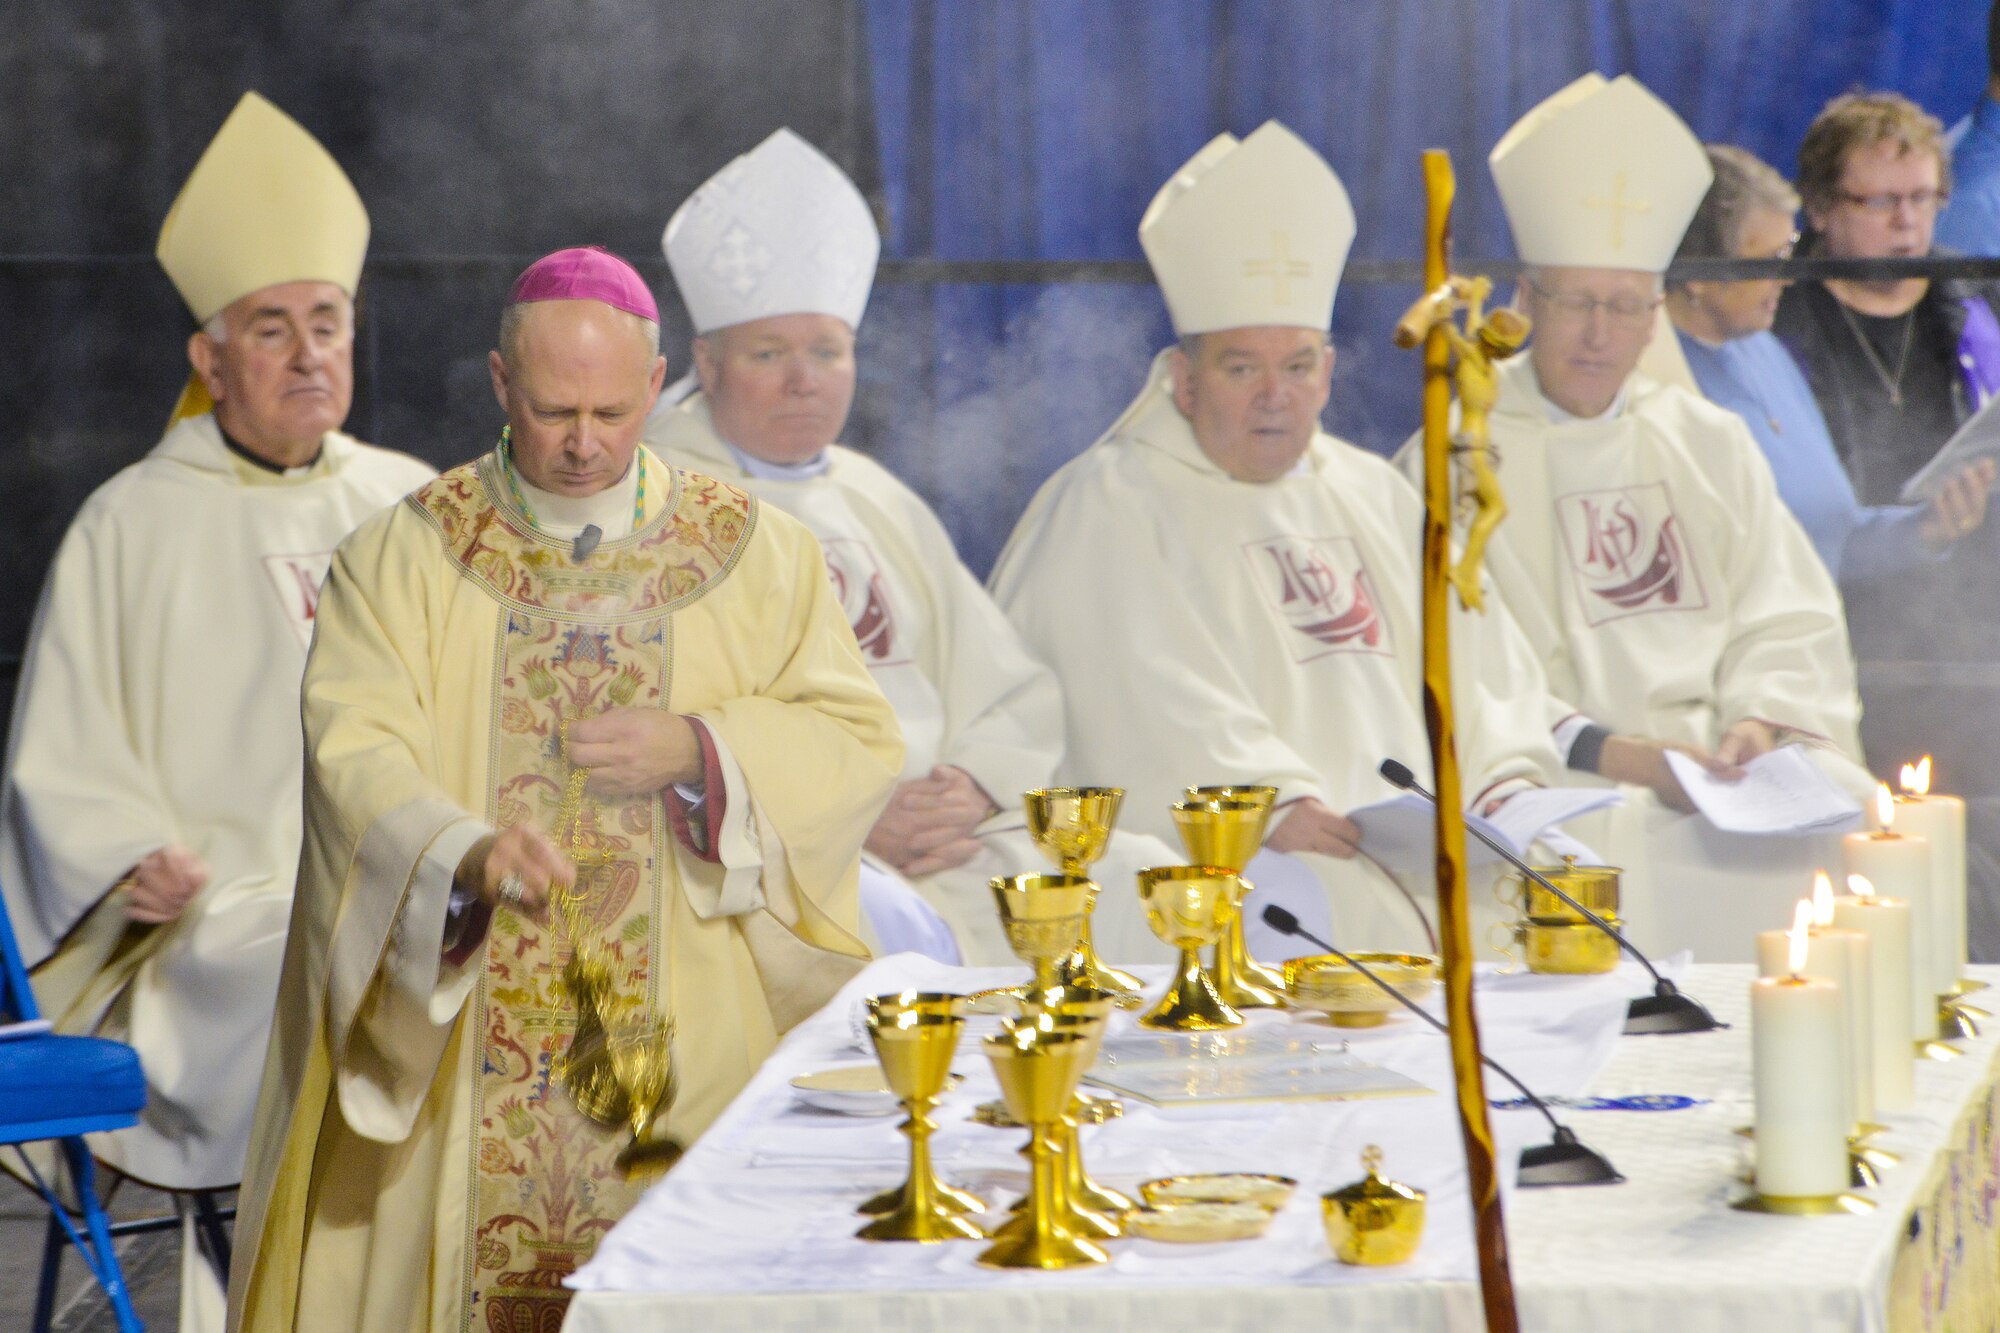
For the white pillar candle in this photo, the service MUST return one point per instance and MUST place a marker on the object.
(1831, 955)
(1941, 819)
(1801, 1096)
(1899, 866)
(1886, 922)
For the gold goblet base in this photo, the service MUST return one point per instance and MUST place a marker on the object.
(914, 1222)
(1240, 980)
(949, 1199)
(1084, 968)
(1936, 1050)
(1955, 1019)
(1191, 1004)
(1804, 1205)
(1966, 985)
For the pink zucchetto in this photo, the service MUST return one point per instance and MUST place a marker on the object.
(586, 273)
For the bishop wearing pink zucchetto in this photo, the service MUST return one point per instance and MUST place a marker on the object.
(564, 700)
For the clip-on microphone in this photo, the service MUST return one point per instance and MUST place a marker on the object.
(586, 542)
(1665, 1010)
(1566, 1161)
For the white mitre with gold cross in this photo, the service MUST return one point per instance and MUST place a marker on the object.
(266, 204)
(781, 230)
(1601, 174)
(1250, 233)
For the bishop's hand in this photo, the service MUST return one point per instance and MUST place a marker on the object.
(516, 869)
(635, 751)
(928, 824)
(159, 888)
(1310, 826)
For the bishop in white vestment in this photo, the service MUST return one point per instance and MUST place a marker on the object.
(1229, 594)
(982, 718)
(1671, 598)
(150, 833)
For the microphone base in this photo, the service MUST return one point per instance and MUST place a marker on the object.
(1564, 1162)
(1659, 1015)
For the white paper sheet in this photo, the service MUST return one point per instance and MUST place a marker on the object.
(1781, 793)
(1399, 832)
(1978, 438)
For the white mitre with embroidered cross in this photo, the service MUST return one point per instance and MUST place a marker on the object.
(1250, 233)
(266, 204)
(781, 230)
(1601, 174)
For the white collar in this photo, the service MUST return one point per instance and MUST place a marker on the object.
(564, 516)
(1562, 416)
(754, 466)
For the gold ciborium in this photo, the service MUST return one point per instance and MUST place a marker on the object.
(1092, 1209)
(890, 1010)
(1226, 831)
(916, 1049)
(1374, 1221)
(1038, 1072)
(1072, 826)
(1189, 907)
(641, 1056)
(1045, 917)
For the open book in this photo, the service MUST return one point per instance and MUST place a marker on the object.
(1401, 831)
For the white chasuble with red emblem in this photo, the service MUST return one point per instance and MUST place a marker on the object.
(419, 1163)
(159, 703)
(967, 691)
(1208, 630)
(1669, 593)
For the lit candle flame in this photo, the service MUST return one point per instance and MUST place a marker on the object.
(1796, 936)
(1885, 808)
(1861, 887)
(1822, 899)
(1916, 778)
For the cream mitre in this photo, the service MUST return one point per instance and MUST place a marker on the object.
(1601, 174)
(266, 204)
(781, 230)
(1250, 233)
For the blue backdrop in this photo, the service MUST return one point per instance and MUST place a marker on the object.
(1039, 129)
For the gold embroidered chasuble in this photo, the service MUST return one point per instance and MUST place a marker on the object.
(418, 1163)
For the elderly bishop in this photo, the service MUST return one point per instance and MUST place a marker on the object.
(1673, 601)
(1228, 593)
(567, 703)
(774, 377)
(150, 835)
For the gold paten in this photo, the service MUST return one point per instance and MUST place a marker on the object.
(1374, 1221)
(1226, 830)
(1189, 907)
(1201, 1223)
(1269, 1192)
(1038, 1071)
(1326, 983)
(1072, 826)
(915, 1044)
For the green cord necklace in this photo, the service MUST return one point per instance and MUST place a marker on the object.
(514, 486)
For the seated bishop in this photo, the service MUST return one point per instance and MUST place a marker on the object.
(774, 374)
(1672, 599)
(149, 831)
(1229, 594)
(590, 753)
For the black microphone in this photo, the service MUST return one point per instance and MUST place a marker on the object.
(1566, 1161)
(1665, 1010)
(586, 542)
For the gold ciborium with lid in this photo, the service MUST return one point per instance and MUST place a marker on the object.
(1072, 826)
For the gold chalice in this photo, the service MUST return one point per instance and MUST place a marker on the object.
(1072, 826)
(642, 1060)
(1189, 907)
(1045, 917)
(1091, 1108)
(1093, 1209)
(915, 1050)
(1226, 831)
(1038, 1072)
(891, 1011)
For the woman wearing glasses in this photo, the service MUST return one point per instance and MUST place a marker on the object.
(1749, 213)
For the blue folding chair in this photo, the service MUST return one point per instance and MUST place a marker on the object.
(55, 1088)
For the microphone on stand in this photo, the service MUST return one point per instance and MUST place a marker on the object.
(1665, 1010)
(1565, 1161)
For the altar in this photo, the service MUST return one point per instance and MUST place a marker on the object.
(754, 1230)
